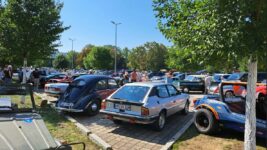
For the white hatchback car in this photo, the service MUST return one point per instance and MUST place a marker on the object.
(145, 103)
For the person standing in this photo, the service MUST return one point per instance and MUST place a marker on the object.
(169, 76)
(36, 77)
(7, 75)
(208, 79)
(134, 76)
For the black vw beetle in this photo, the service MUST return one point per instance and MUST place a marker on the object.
(85, 94)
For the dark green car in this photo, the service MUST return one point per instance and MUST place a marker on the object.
(193, 83)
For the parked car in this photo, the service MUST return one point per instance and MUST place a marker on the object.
(145, 103)
(85, 94)
(193, 83)
(243, 77)
(44, 80)
(21, 127)
(216, 80)
(217, 77)
(56, 89)
(215, 111)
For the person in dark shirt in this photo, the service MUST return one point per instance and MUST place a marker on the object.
(36, 76)
(7, 75)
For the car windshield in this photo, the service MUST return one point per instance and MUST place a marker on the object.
(189, 78)
(234, 76)
(131, 93)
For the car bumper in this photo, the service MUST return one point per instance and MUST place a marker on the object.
(129, 118)
(69, 109)
(52, 94)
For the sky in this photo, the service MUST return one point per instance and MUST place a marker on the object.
(90, 22)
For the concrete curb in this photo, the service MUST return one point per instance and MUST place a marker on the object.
(100, 141)
(169, 144)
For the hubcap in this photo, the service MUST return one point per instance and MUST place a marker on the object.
(94, 107)
(161, 121)
(203, 121)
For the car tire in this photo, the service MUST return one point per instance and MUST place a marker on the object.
(186, 108)
(159, 124)
(93, 108)
(117, 122)
(205, 122)
(229, 94)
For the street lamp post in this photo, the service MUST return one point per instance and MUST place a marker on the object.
(72, 40)
(115, 63)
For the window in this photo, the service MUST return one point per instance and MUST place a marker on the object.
(112, 84)
(131, 93)
(101, 85)
(162, 91)
(172, 90)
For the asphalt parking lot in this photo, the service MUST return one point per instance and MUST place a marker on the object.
(134, 136)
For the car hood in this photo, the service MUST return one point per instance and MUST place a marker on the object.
(24, 131)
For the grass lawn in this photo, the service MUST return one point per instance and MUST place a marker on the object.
(62, 129)
(224, 140)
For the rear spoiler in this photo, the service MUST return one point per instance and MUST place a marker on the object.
(125, 101)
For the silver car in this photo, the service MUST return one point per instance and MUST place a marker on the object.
(145, 103)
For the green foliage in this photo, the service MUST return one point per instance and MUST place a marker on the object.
(98, 58)
(215, 29)
(85, 51)
(30, 29)
(72, 56)
(150, 56)
(61, 62)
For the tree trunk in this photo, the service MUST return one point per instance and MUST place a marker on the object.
(250, 125)
(24, 79)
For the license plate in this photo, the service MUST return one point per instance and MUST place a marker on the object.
(122, 107)
(66, 104)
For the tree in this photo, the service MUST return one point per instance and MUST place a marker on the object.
(98, 58)
(85, 51)
(226, 28)
(61, 62)
(150, 56)
(29, 29)
(72, 56)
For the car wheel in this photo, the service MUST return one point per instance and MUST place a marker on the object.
(159, 124)
(118, 122)
(229, 94)
(93, 108)
(186, 108)
(205, 122)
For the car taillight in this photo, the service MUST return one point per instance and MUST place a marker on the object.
(216, 90)
(144, 111)
(57, 89)
(103, 105)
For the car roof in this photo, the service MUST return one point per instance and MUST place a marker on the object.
(149, 84)
(93, 77)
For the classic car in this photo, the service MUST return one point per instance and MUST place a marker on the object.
(44, 80)
(56, 89)
(145, 103)
(193, 83)
(85, 94)
(215, 111)
(21, 127)
(243, 77)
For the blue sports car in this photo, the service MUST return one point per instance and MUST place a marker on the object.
(216, 111)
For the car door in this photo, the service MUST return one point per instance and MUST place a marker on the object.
(101, 88)
(165, 100)
(176, 98)
(112, 86)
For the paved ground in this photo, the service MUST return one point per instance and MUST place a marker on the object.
(133, 136)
